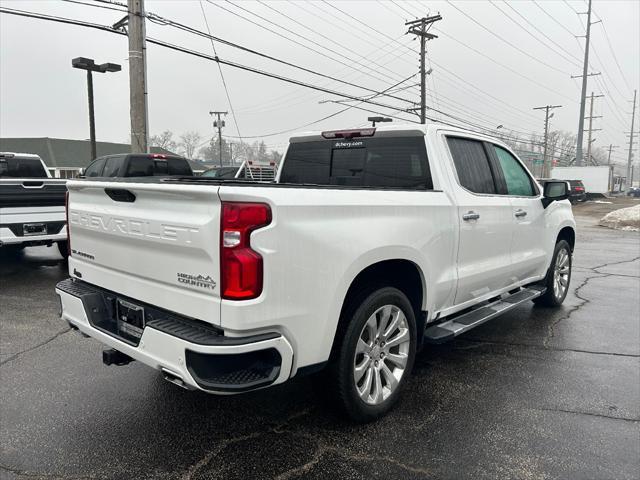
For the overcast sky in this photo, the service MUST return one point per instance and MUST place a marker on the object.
(488, 76)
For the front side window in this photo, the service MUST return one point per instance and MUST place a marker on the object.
(518, 181)
(472, 165)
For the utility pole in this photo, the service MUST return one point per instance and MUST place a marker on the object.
(138, 77)
(546, 168)
(591, 129)
(419, 28)
(583, 95)
(611, 147)
(219, 123)
(629, 166)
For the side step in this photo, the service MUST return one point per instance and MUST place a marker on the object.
(449, 329)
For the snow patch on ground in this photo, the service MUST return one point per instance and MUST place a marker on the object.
(598, 201)
(627, 219)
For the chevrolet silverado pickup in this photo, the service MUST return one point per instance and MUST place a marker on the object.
(32, 210)
(368, 245)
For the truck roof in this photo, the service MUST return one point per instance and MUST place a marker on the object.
(385, 130)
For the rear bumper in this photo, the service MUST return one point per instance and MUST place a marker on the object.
(8, 237)
(578, 197)
(198, 358)
(12, 220)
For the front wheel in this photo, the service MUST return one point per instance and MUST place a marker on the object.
(558, 277)
(376, 354)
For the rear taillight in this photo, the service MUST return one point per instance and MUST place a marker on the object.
(240, 266)
(66, 211)
(579, 189)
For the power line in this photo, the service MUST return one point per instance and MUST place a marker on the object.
(114, 8)
(505, 66)
(341, 45)
(194, 53)
(224, 83)
(570, 58)
(442, 67)
(328, 116)
(337, 60)
(511, 44)
(402, 8)
(164, 21)
(613, 53)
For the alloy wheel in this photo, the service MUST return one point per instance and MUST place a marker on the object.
(381, 354)
(561, 272)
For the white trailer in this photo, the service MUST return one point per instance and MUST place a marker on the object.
(595, 179)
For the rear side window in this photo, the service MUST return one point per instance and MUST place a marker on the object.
(16, 167)
(517, 180)
(112, 166)
(95, 169)
(361, 162)
(472, 165)
(144, 166)
(179, 166)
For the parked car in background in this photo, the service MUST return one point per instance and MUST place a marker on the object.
(138, 165)
(577, 192)
(32, 204)
(221, 172)
(369, 243)
(576, 188)
(633, 192)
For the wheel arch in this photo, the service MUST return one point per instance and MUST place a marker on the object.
(569, 234)
(401, 273)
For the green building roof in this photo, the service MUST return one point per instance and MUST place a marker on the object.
(66, 153)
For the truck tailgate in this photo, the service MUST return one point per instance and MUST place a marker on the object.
(158, 240)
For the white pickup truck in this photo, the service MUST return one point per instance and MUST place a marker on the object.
(369, 244)
(32, 208)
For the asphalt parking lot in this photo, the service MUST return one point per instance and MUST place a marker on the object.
(535, 394)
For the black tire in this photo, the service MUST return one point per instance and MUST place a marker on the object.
(552, 298)
(63, 248)
(339, 376)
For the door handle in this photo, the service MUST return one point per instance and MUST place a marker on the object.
(471, 216)
(521, 213)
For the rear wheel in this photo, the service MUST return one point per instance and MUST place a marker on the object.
(558, 277)
(375, 355)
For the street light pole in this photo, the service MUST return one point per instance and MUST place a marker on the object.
(92, 118)
(90, 66)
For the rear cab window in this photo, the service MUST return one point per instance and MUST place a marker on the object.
(360, 162)
(21, 167)
(148, 165)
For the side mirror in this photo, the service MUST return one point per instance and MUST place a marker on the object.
(554, 191)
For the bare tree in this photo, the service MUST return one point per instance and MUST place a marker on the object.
(164, 140)
(189, 142)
